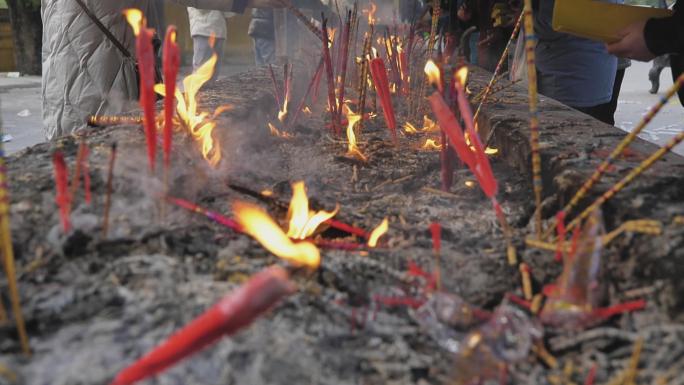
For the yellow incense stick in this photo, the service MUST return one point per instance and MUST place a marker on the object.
(8, 255)
(530, 43)
(620, 148)
(645, 165)
(498, 68)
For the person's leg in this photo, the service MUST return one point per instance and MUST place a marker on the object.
(218, 49)
(264, 51)
(202, 51)
(600, 112)
(619, 77)
(659, 64)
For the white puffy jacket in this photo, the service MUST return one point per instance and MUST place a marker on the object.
(204, 22)
(83, 73)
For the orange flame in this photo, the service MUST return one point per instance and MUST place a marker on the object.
(278, 133)
(352, 149)
(429, 125)
(307, 110)
(200, 124)
(261, 227)
(431, 144)
(410, 129)
(371, 13)
(491, 151)
(303, 223)
(470, 183)
(462, 76)
(433, 74)
(378, 232)
(135, 18)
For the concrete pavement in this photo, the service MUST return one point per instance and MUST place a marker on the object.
(635, 101)
(20, 111)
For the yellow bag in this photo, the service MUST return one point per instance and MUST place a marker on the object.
(599, 21)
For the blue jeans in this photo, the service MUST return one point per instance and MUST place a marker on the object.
(264, 51)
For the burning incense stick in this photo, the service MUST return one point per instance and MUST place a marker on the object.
(305, 20)
(171, 63)
(76, 178)
(146, 66)
(8, 254)
(61, 186)
(332, 101)
(620, 148)
(302, 103)
(344, 59)
(363, 80)
(499, 66)
(645, 165)
(214, 216)
(108, 198)
(530, 40)
(276, 88)
(234, 312)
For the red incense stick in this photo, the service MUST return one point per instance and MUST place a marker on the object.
(312, 84)
(379, 75)
(146, 65)
(234, 312)
(343, 62)
(171, 63)
(62, 194)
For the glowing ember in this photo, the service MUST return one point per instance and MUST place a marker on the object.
(267, 193)
(470, 183)
(261, 227)
(302, 222)
(378, 232)
(431, 144)
(352, 149)
(410, 128)
(491, 151)
(429, 125)
(307, 110)
(200, 124)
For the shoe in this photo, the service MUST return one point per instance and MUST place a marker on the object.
(655, 85)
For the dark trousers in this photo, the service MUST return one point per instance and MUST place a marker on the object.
(606, 112)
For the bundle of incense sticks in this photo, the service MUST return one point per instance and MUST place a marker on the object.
(436, 13)
(8, 254)
(620, 148)
(344, 59)
(170, 64)
(332, 101)
(499, 66)
(530, 43)
(363, 79)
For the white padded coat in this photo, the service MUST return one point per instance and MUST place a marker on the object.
(83, 72)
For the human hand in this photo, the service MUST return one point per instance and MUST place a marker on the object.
(632, 43)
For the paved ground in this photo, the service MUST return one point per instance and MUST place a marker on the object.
(20, 107)
(635, 101)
